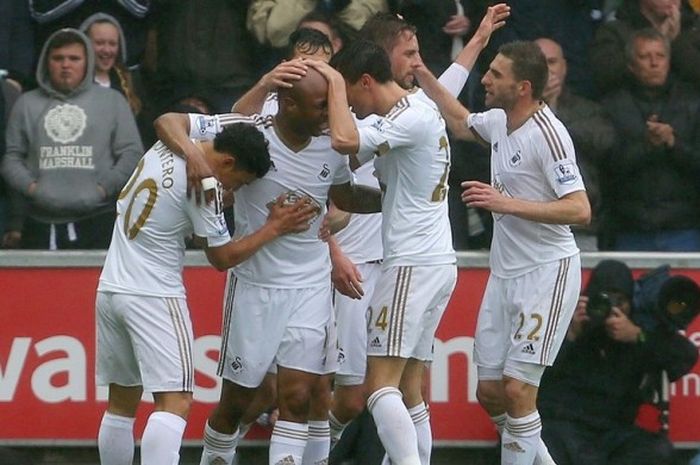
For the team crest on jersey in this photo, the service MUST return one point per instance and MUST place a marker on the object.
(566, 173)
(325, 172)
(515, 159)
(205, 125)
(65, 123)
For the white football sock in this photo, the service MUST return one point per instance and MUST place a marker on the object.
(542, 457)
(115, 440)
(336, 427)
(421, 420)
(287, 443)
(318, 445)
(520, 439)
(160, 444)
(219, 448)
(394, 426)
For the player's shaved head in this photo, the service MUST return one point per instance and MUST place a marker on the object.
(304, 106)
(310, 84)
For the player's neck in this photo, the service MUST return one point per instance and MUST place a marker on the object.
(292, 137)
(388, 96)
(521, 112)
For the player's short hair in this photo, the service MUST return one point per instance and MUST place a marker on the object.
(309, 41)
(363, 57)
(529, 64)
(247, 145)
(648, 33)
(384, 29)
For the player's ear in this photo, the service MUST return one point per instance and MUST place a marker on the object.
(365, 80)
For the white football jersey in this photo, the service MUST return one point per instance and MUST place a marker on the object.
(294, 260)
(154, 216)
(412, 163)
(536, 162)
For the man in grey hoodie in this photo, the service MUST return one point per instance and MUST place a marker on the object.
(71, 145)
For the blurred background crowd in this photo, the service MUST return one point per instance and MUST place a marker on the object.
(624, 78)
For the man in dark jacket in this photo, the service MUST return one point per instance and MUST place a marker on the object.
(590, 397)
(651, 197)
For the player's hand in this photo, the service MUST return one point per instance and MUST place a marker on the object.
(197, 171)
(620, 328)
(481, 195)
(292, 218)
(456, 26)
(494, 19)
(579, 320)
(346, 277)
(284, 75)
(11, 240)
(327, 71)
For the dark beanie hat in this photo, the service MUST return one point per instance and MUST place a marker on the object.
(611, 276)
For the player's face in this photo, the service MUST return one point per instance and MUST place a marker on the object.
(404, 58)
(500, 84)
(650, 63)
(67, 66)
(359, 98)
(105, 41)
(312, 111)
(234, 178)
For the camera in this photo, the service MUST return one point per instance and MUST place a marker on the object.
(600, 306)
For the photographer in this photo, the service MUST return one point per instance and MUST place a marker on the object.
(590, 397)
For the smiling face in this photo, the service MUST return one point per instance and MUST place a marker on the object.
(105, 41)
(67, 66)
(500, 84)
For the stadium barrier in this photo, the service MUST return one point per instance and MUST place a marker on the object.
(47, 349)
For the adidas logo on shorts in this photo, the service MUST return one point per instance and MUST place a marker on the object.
(514, 446)
(529, 349)
(288, 460)
(375, 342)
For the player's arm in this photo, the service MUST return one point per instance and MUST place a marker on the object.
(345, 138)
(281, 76)
(356, 198)
(283, 219)
(494, 19)
(173, 130)
(572, 208)
(452, 110)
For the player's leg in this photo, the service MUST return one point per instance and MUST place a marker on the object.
(302, 359)
(117, 368)
(162, 437)
(319, 444)
(265, 399)
(350, 394)
(251, 314)
(546, 299)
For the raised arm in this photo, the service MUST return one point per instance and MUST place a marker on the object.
(455, 113)
(281, 76)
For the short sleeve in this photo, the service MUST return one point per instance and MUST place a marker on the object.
(343, 174)
(206, 127)
(559, 163)
(487, 123)
(385, 134)
(208, 220)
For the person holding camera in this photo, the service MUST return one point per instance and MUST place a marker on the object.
(590, 397)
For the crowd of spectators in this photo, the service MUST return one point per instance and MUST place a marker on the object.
(624, 79)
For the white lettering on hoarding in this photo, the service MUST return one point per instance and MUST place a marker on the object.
(440, 371)
(73, 364)
(15, 363)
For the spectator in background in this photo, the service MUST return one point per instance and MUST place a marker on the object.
(109, 45)
(686, 54)
(8, 199)
(591, 131)
(71, 146)
(198, 48)
(590, 397)
(16, 42)
(51, 15)
(650, 190)
(671, 18)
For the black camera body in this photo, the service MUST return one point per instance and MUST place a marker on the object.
(600, 306)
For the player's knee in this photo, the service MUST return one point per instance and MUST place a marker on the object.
(294, 403)
(178, 403)
(489, 396)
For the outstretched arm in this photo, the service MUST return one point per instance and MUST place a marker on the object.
(572, 208)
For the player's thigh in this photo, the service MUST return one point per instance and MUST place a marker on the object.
(255, 321)
(545, 300)
(161, 333)
(351, 323)
(493, 329)
(116, 361)
(309, 332)
(406, 308)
